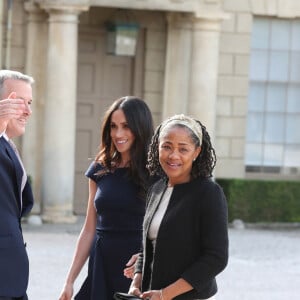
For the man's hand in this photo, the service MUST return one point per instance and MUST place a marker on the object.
(10, 108)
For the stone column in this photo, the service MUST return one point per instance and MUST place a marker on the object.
(177, 72)
(192, 66)
(204, 71)
(60, 115)
(32, 141)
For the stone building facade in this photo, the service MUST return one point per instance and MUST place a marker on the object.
(198, 57)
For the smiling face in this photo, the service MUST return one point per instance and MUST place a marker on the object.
(23, 90)
(121, 134)
(176, 154)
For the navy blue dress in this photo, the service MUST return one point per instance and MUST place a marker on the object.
(120, 214)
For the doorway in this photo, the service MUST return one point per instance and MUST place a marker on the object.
(101, 79)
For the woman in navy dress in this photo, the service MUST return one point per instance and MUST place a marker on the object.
(118, 181)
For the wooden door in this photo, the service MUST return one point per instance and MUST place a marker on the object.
(102, 78)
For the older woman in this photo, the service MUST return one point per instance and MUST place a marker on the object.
(185, 240)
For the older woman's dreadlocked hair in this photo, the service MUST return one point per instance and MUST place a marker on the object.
(206, 160)
(203, 165)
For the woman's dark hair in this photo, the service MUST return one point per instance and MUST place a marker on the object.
(139, 121)
(203, 165)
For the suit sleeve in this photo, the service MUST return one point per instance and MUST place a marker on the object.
(27, 199)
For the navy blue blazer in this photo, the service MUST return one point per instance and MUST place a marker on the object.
(14, 266)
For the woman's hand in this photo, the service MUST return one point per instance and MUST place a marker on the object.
(129, 271)
(152, 295)
(67, 292)
(135, 285)
(135, 291)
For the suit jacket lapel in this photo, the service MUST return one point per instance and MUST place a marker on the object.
(18, 168)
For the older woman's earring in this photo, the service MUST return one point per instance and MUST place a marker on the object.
(194, 159)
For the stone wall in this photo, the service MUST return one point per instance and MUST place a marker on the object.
(233, 77)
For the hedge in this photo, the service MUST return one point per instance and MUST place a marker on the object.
(262, 201)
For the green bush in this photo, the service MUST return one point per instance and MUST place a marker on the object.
(262, 201)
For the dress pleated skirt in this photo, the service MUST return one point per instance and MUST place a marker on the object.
(108, 258)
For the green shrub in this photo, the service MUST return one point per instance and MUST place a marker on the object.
(262, 201)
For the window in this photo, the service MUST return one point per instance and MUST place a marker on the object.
(273, 124)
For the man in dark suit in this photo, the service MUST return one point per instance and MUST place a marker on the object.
(16, 197)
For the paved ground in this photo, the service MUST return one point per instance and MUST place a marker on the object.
(264, 264)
